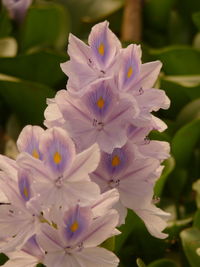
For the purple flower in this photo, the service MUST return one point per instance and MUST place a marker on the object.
(17, 8)
(79, 231)
(133, 175)
(62, 176)
(30, 255)
(100, 116)
(94, 62)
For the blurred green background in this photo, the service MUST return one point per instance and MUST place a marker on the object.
(30, 57)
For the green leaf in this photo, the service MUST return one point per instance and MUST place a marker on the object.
(196, 19)
(45, 25)
(196, 222)
(26, 99)
(157, 13)
(126, 230)
(196, 187)
(90, 11)
(41, 67)
(109, 243)
(177, 181)
(3, 258)
(178, 60)
(175, 29)
(5, 23)
(177, 96)
(140, 263)
(191, 242)
(184, 142)
(176, 226)
(163, 263)
(189, 112)
(169, 166)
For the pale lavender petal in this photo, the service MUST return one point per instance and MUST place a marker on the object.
(53, 116)
(24, 184)
(49, 239)
(122, 211)
(158, 124)
(101, 229)
(84, 163)
(153, 100)
(105, 202)
(154, 219)
(100, 99)
(156, 149)
(137, 134)
(21, 259)
(9, 167)
(104, 45)
(130, 66)
(28, 140)
(80, 76)
(77, 221)
(17, 242)
(99, 257)
(85, 191)
(77, 50)
(58, 150)
(148, 75)
(32, 248)
(34, 166)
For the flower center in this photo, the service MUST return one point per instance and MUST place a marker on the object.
(98, 125)
(35, 154)
(115, 161)
(74, 227)
(100, 103)
(57, 158)
(101, 49)
(25, 191)
(114, 183)
(130, 72)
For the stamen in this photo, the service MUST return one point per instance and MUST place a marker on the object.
(74, 227)
(115, 161)
(114, 183)
(57, 158)
(101, 49)
(130, 72)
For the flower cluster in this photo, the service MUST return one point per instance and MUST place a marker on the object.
(71, 184)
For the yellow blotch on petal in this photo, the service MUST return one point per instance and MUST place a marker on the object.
(35, 154)
(101, 49)
(57, 158)
(74, 226)
(26, 192)
(130, 72)
(115, 161)
(100, 103)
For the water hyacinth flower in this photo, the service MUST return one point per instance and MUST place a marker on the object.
(133, 175)
(78, 233)
(62, 176)
(91, 63)
(30, 255)
(28, 140)
(100, 116)
(17, 8)
(133, 75)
